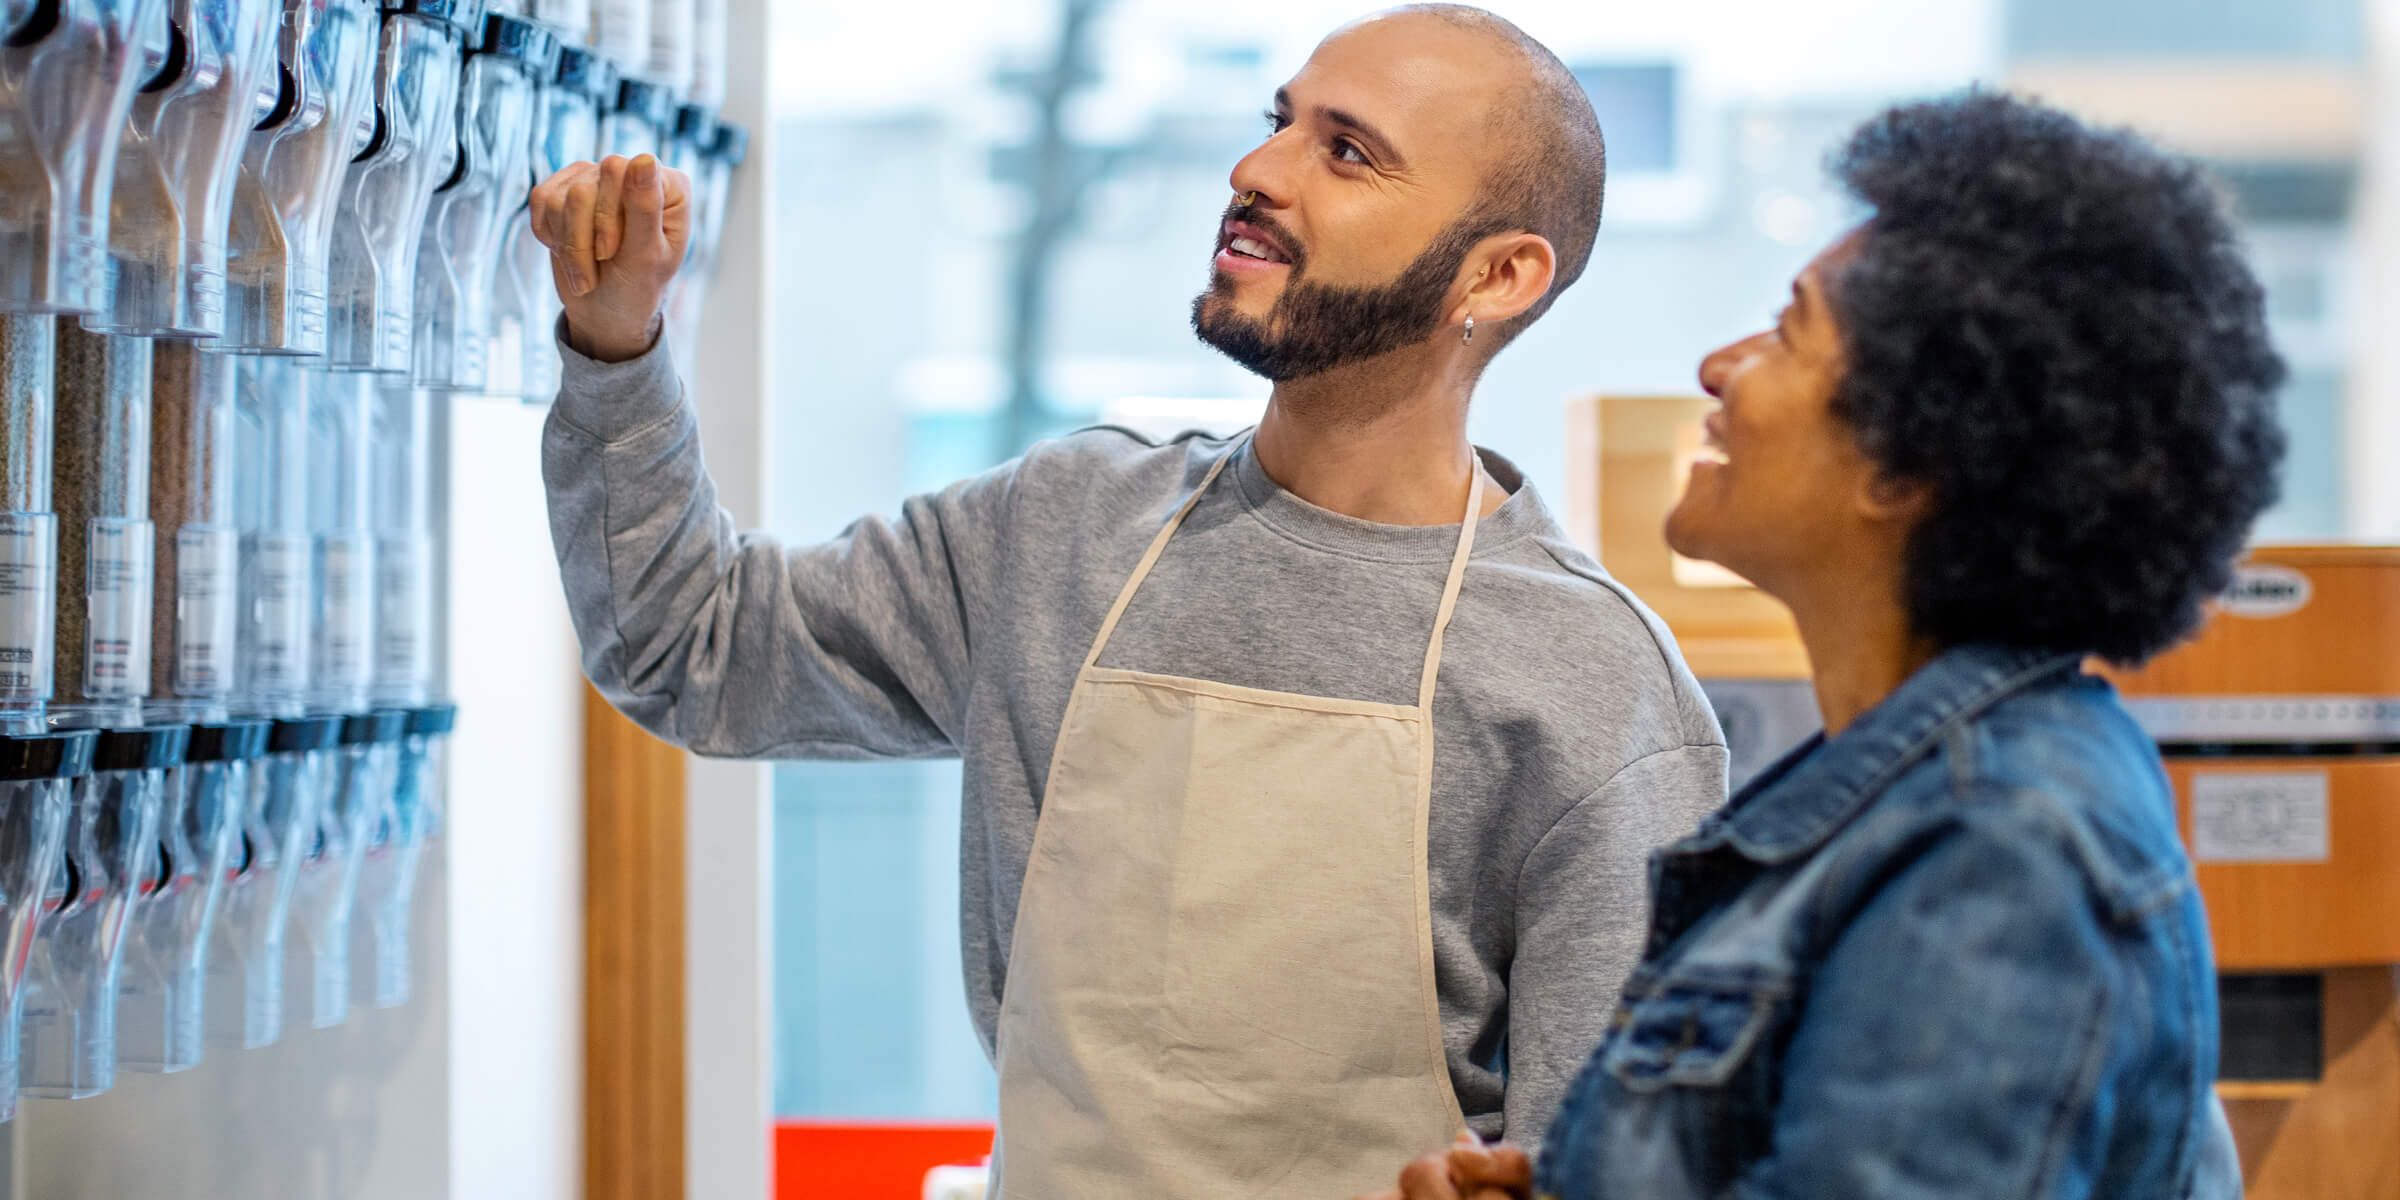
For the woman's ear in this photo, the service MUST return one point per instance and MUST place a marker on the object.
(1895, 499)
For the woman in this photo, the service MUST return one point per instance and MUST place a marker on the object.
(2021, 418)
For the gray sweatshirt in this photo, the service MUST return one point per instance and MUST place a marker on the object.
(1569, 737)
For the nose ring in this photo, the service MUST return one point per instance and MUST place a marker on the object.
(1247, 198)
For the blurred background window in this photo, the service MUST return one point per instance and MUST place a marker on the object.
(995, 215)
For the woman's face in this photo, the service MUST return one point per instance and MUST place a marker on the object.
(1782, 488)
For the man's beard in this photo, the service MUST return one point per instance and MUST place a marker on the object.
(1316, 327)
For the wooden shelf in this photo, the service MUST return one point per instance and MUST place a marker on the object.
(2258, 1089)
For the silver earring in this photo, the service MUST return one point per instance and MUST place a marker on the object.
(1470, 329)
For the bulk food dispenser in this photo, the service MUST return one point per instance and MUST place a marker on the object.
(68, 70)
(279, 810)
(70, 994)
(281, 235)
(37, 777)
(524, 359)
(357, 777)
(381, 216)
(398, 819)
(2281, 728)
(473, 209)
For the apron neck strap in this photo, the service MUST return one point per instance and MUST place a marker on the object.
(1458, 577)
(1158, 546)
(1441, 619)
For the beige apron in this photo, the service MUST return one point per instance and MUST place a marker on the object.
(1221, 982)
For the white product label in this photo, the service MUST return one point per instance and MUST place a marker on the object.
(28, 554)
(2257, 817)
(117, 591)
(278, 647)
(348, 612)
(2261, 592)
(206, 558)
(621, 30)
(402, 655)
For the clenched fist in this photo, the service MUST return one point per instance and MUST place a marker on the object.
(616, 230)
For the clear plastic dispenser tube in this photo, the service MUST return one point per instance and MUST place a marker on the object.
(278, 589)
(727, 145)
(670, 57)
(569, 19)
(67, 77)
(163, 986)
(341, 452)
(525, 305)
(642, 120)
(37, 778)
(70, 1026)
(473, 207)
(381, 217)
(101, 473)
(708, 53)
(281, 234)
(196, 584)
(190, 123)
(28, 527)
(620, 31)
(279, 816)
(365, 770)
(396, 839)
(404, 549)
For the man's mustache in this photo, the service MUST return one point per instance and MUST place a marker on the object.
(1250, 214)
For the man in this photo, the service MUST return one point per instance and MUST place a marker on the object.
(1304, 821)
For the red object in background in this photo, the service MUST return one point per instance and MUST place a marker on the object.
(822, 1161)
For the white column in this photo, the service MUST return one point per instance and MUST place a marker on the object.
(729, 1050)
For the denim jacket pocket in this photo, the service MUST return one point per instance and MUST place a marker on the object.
(1691, 1028)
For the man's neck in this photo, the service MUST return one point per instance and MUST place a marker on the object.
(1861, 644)
(1383, 441)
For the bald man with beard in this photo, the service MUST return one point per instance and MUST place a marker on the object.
(1311, 774)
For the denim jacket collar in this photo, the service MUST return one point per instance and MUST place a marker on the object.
(1797, 804)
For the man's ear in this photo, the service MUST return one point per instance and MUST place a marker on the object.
(1516, 270)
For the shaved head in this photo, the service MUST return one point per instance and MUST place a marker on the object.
(1431, 171)
(1551, 174)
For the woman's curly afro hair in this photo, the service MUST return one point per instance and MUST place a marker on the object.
(2055, 329)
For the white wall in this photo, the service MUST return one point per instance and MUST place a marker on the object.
(515, 1053)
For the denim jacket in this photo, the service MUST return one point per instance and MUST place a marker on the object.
(1954, 952)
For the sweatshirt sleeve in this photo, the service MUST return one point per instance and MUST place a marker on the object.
(734, 645)
(1583, 911)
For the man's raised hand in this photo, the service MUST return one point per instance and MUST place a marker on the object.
(616, 230)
